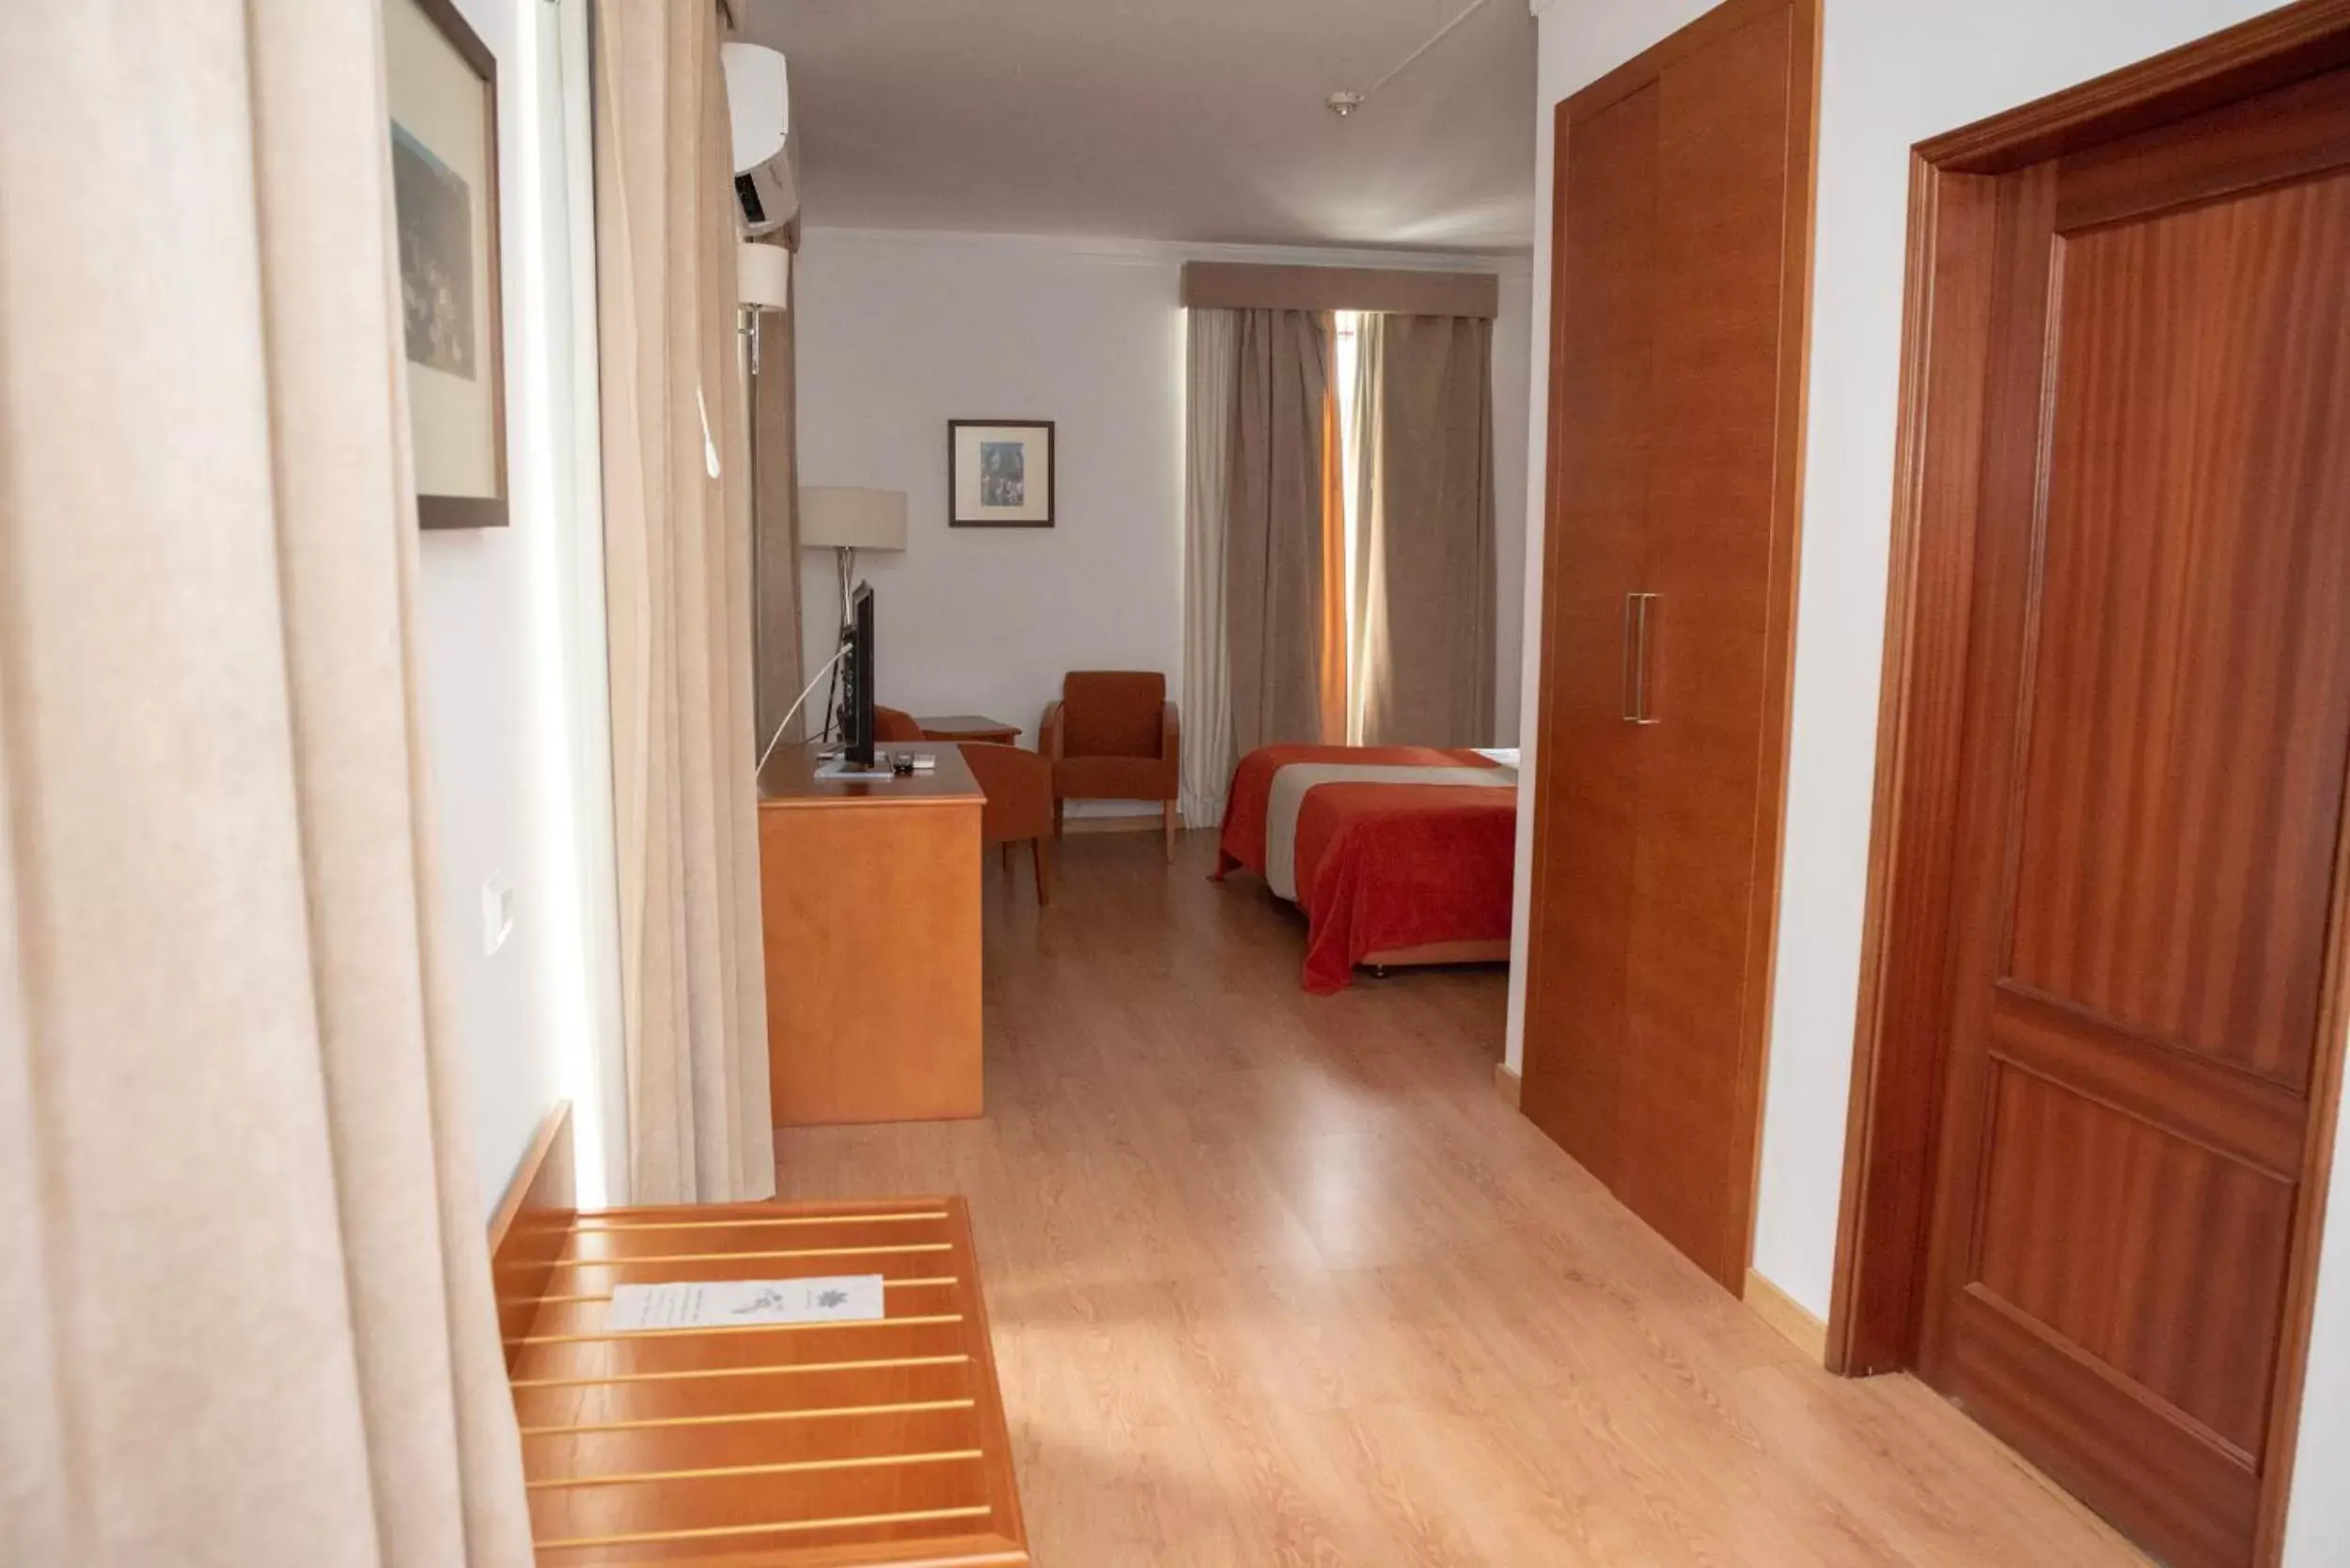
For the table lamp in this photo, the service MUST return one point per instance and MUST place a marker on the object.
(846, 519)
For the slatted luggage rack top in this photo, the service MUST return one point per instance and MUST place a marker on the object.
(780, 1446)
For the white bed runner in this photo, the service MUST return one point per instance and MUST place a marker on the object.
(1292, 781)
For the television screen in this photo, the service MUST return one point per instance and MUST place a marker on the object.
(856, 702)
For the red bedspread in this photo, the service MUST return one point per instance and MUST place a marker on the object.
(1381, 866)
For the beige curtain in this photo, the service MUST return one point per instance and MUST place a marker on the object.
(1424, 665)
(775, 590)
(678, 590)
(1211, 386)
(1284, 601)
(245, 1290)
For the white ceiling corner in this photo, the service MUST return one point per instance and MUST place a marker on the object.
(1200, 121)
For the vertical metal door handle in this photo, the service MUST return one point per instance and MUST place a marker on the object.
(1641, 713)
(1631, 703)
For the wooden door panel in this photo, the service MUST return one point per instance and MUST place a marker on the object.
(2175, 859)
(1587, 790)
(2174, 1489)
(2006, 491)
(2249, 1119)
(2075, 1195)
(1691, 1085)
(2157, 729)
(1722, 185)
(1679, 300)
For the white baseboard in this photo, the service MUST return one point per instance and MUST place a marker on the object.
(1130, 823)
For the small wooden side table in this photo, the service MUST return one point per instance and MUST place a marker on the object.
(968, 726)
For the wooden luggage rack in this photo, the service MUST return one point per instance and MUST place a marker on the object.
(784, 1446)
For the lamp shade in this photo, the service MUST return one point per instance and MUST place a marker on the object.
(850, 518)
(762, 276)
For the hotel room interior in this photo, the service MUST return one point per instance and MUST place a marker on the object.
(1363, 782)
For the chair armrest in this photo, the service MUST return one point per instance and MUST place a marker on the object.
(1171, 737)
(1018, 784)
(1048, 732)
(996, 767)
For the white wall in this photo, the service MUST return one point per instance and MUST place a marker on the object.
(507, 681)
(1894, 71)
(900, 332)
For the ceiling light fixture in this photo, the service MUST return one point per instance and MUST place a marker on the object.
(1345, 103)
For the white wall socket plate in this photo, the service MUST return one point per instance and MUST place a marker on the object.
(497, 914)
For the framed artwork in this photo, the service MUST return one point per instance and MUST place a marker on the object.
(999, 472)
(442, 83)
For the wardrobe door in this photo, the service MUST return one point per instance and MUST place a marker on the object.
(1587, 796)
(1721, 573)
(1679, 299)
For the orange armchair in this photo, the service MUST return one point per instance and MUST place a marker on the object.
(894, 726)
(1113, 735)
(1019, 788)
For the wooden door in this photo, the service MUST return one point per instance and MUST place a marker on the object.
(1719, 541)
(1679, 296)
(2157, 715)
(1586, 781)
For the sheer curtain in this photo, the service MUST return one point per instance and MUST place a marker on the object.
(678, 591)
(246, 1288)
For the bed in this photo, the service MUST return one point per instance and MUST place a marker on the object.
(1397, 854)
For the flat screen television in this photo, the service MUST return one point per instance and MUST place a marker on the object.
(856, 696)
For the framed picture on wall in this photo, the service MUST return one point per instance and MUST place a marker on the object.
(999, 472)
(442, 83)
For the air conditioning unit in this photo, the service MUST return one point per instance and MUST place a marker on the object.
(767, 154)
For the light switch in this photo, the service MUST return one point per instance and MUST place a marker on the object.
(497, 914)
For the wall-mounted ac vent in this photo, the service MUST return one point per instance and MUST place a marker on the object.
(767, 154)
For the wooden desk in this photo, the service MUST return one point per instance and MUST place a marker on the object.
(870, 890)
(968, 726)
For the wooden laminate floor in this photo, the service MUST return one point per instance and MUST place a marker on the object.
(1278, 1280)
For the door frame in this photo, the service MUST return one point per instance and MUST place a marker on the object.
(1898, 1049)
(1732, 1269)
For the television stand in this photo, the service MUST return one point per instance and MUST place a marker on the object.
(869, 900)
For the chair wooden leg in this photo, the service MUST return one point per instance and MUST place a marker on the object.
(1044, 870)
(1168, 811)
(1007, 858)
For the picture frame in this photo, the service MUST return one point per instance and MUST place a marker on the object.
(1000, 473)
(441, 86)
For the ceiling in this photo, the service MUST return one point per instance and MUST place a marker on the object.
(1199, 120)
